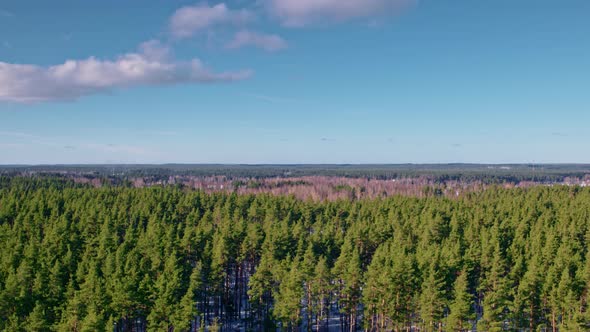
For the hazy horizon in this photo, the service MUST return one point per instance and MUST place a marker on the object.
(299, 164)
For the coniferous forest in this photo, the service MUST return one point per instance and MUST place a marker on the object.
(166, 258)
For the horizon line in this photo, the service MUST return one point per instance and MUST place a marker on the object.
(304, 164)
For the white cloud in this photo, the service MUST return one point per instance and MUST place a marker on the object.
(152, 65)
(302, 12)
(154, 50)
(267, 42)
(188, 20)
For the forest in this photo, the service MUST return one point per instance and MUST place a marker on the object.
(75, 257)
(486, 173)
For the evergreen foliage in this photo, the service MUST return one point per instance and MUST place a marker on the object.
(75, 258)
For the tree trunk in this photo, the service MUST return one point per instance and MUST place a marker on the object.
(531, 318)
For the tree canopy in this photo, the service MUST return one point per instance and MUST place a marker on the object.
(78, 258)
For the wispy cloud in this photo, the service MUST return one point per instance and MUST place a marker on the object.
(17, 134)
(133, 131)
(267, 42)
(152, 65)
(270, 99)
(187, 21)
(11, 145)
(164, 133)
(558, 134)
(67, 36)
(27, 139)
(297, 13)
(116, 148)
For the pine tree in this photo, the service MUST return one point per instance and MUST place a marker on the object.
(376, 283)
(93, 321)
(167, 295)
(287, 308)
(432, 298)
(496, 299)
(260, 287)
(321, 288)
(527, 301)
(351, 292)
(461, 308)
(307, 269)
(188, 304)
(36, 321)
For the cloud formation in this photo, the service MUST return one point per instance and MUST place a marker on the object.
(187, 21)
(296, 13)
(266, 42)
(152, 65)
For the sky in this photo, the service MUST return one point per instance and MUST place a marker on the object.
(294, 81)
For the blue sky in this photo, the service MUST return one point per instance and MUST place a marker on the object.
(294, 81)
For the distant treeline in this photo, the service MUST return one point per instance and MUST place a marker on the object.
(509, 173)
(79, 258)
